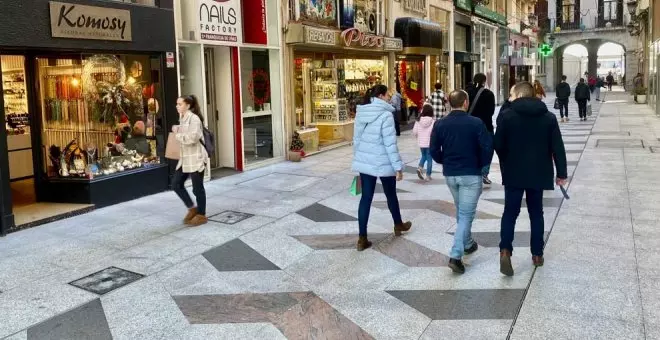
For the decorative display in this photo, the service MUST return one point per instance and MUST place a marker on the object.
(259, 87)
(319, 11)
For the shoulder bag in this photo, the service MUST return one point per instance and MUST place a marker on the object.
(476, 98)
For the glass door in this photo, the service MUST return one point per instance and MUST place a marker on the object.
(211, 107)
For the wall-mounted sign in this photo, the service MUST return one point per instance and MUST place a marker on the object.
(255, 30)
(220, 20)
(320, 36)
(89, 22)
(393, 44)
(353, 37)
(417, 6)
(169, 59)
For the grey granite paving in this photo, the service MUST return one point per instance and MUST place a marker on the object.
(87, 322)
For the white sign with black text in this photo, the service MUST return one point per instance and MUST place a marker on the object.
(220, 21)
(417, 6)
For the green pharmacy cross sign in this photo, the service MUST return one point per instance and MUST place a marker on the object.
(545, 50)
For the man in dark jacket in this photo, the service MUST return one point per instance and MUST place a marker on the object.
(582, 95)
(563, 93)
(482, 106)
(463, 146)
(527, 142)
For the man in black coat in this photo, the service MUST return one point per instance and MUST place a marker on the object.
(482, 106)
(563, 93)
(582, 96)
(527, 142)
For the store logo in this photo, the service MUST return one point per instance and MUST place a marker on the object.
(219, 20)
(355, 37)
(89, 22)
(418, 6)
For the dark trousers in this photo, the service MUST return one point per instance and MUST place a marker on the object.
(512, 203)
(563, 107)
(368, 189)
(609, 86)
(397, 122)
(582, 107)
(197, 179)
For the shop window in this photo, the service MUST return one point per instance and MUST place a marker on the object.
(100, 114)
(138, 2)
(410, 83)
(460, 38)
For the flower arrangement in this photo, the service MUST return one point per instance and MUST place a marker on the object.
(296, 151)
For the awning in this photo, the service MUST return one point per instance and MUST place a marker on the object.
(419, 36)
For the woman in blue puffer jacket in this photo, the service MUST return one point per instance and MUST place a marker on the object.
(376, 155)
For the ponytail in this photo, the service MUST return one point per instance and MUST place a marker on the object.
(376, 91)
(193, 102)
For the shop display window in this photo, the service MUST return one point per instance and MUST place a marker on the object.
(410, 83)
(255, 81)
(100, 114)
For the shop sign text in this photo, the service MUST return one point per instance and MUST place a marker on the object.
(353, 37)
(393, 44)
(89, 22)
(320, 36)
(417, 6)
(220, 20)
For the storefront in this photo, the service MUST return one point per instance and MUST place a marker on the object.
(88, 93)
(463, 56)
(441, 64)
(233, 65)
(332, 70)
(521, 61)
(486, 25)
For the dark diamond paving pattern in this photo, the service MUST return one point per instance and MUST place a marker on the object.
(553, 202)
(341, 241)
(320, 213)
(235, 255)
(106, 280)
(471, 304)
(491, 239)
(439, 206)
(87, 322)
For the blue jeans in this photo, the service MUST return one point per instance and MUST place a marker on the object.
(368, 189)
(426, 158)
(466, 191)
(512, 203)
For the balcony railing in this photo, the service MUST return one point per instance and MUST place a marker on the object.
(569, 19)
(610, 11)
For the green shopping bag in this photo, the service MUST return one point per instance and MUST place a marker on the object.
(356, 186)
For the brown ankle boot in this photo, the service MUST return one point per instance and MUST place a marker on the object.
(537, 260)
(399, 228)
(505, 263)
(198, 220)
(189, 216)
(363, 243)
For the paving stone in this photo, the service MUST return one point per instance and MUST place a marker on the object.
(237, 256)
(86, 322)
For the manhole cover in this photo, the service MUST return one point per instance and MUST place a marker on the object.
(106, 280)
(230, 217)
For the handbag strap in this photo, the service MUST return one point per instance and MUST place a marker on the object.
(476, 98)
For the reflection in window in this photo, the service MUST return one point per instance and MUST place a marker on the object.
(255, 80)
(100, 114)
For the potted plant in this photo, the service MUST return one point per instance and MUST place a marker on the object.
(296, 152)
(640, 94)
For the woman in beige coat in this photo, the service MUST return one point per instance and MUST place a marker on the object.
(192, 159)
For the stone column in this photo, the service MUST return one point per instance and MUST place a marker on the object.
(592, 63)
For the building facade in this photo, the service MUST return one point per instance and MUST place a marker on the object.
(230, 58)
(86, 107)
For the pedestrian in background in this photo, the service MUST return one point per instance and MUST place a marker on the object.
(396, 101)
(193, 159)
(563, 92)
(609, 80)
(422, 130)
(527, 142)
(438, 101)
(582, 96)
(538, 90)
(463, 145)
(376, 155)
(482, 106)
(600, 83)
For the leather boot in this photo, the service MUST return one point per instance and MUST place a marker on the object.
(400, 228)
(189, 216)
(363, 243)
(537, 260)
(505, 263)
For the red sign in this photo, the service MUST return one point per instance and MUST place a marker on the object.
(355, 37)
(255, 29)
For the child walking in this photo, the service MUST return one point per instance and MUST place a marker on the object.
(422, 130)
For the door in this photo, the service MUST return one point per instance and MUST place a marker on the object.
(211, 105)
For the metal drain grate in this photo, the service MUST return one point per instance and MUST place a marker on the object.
(106, 280)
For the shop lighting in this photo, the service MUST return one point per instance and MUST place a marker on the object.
(75, 82)
(131, 80)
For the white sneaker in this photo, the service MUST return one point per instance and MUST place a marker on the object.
(428, 178)
(420, 174)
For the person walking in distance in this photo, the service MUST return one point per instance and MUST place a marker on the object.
(463, 146)
(563, 91)
(422, 130)
(438, 101)
(396, 101)
(482, 106)
(376, 155)
(527, 142)
(610, 80)
(538, 89)
(193, 159)
(582, 96)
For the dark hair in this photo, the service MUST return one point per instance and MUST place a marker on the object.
(427, 111)
(376, 91)
(457, 98)
(524, 89)
(563, 77)
(479, 79)
(438, 86)
(193, 102)
(582, 80)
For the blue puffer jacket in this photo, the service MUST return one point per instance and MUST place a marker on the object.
(375, 151)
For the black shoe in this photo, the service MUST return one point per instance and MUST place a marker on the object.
(487, 180)
(472, 249)
(456, 266)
